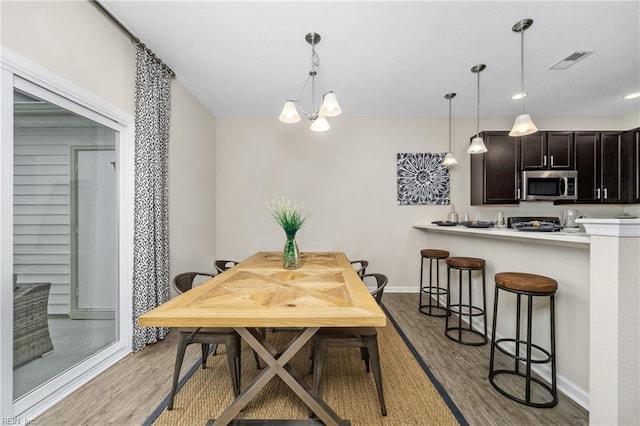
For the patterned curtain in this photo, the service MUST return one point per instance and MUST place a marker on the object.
(151, 233)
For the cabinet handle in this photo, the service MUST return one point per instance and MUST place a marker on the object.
(597, 193)
(544, 160)
(518, 194)
(552, 161)
(605, 193)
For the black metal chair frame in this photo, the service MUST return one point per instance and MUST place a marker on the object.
(471, 310)
(362, 268)
(550, 356)
(365, 338)
(206, 337)
(222, 265)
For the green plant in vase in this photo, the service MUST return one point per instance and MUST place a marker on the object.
(291, 218)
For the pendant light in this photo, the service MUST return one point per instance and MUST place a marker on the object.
(317, 114)
(477, 144)
(523, 125)
(449, 159)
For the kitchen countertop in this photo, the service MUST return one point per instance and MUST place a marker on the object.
(561, 238)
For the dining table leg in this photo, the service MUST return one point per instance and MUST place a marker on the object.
(279, 365)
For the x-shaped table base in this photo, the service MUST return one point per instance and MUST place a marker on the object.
(279, 365)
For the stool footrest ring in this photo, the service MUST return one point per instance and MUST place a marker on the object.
(466, 330)
(554, 396)
(426, 309)
(434, 290)
(457, 309)
(523, 358)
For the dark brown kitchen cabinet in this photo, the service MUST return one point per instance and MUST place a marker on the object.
(600, 162)
(632, 141)
(495, 174)
(547, 151)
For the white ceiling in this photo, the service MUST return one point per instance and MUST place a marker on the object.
(389, 58)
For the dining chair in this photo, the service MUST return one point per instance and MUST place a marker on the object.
(223, 265)
(205, 336)
(365, 338)
(360, 266)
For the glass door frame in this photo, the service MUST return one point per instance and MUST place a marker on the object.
(20, 73)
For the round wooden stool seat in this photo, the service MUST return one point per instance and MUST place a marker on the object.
(466, 262)
(434, 253)
(530, 283)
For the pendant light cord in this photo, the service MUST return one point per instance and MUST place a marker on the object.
(478, 108)
(522, 66)
(450, 124)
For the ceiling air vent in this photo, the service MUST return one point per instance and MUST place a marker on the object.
(570, 60)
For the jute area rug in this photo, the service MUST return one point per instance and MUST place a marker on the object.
(411, 397)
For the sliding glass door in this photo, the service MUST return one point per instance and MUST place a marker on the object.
(66, 175)
(64, 241)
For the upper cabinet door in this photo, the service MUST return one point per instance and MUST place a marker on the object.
(533, 151)
(495, 174)
(587, 157)
(547, 151)
(612, 167)
(560, 150)
(635, 167)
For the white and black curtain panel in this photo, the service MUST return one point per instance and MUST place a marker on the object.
(151, 233)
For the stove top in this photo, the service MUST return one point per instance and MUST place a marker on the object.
(514, 219)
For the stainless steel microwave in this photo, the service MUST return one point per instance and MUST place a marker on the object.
(549, 185)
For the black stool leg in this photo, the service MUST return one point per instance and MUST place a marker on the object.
(448, 314)
(518, 313)
(484, 304)
(460, 305)
(421, 282)
(552, 313)
(528, 363)
(493, 333)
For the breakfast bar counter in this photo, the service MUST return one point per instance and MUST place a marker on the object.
(562, 256)
(571, 239)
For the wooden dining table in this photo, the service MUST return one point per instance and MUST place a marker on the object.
(258, 293)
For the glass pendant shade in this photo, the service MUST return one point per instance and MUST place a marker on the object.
(320, 124)
(477, 146)
(523, 126)
(449, 160)
(330, 106)
(289, 113)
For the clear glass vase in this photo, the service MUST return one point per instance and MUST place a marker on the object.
(291, 254)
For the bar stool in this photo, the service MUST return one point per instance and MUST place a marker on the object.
(459, 333)
(430, 290)
(531, 286)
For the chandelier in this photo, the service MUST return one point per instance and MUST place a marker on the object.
(328, 108)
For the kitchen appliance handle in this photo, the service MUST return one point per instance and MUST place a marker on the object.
(565, 183)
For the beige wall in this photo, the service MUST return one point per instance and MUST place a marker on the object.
(77, 42)
(192, 182)
(347, 179)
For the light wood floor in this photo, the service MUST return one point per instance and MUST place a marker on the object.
(128, 392)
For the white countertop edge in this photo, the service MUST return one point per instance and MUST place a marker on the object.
(611, 227)
(580, 239)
